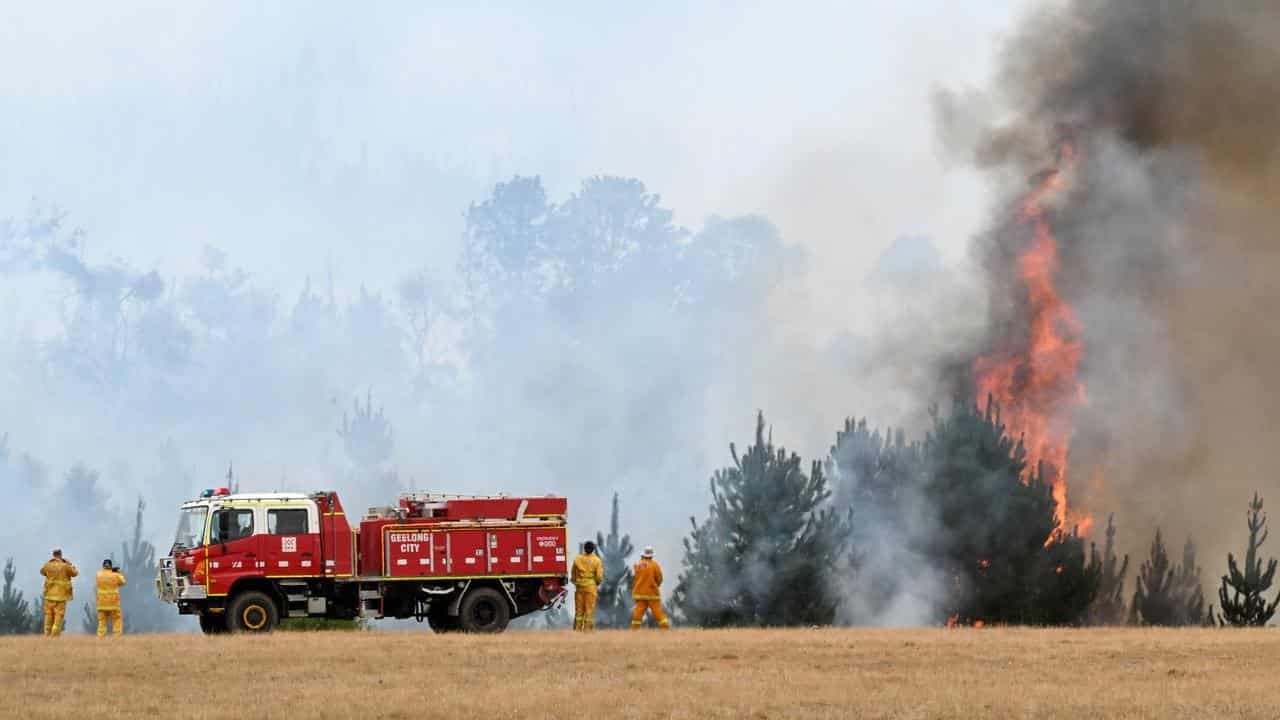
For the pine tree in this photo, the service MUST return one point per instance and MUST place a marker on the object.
(997, 539)
(37, 614)
(872, 470)
(1247, 604)
(16, 615)
(1168, 594)
(1109, 608)
(366, 435)
(368, 440)
(765, 554)
(143, 612)
(613, 608)
(1188, 581)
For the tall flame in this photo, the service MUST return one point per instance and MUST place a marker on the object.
(1035, 377)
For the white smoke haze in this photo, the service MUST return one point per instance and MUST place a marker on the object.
(894, 584)
(263, 218)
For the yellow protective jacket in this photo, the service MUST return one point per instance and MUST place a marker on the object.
(587, 573)
(109, 583)
(648, 576)
(57, 579)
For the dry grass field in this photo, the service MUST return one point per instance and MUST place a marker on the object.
(991, 673)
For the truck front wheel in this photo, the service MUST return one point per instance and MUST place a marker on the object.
(211, 624)
(252, 611)
(484, 610)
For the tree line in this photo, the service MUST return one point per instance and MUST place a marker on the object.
(786, 545)
(954, 529)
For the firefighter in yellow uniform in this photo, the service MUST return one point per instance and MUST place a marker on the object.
(648, 578)
(587, 574)
(109, 580)
(57, 591)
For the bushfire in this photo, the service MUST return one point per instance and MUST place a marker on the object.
(1034, 375)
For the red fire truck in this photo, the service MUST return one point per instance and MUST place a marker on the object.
(241, 562)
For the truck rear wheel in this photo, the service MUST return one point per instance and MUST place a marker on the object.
(252, 611)
(484, 610)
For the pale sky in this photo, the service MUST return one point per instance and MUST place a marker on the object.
(299, 136)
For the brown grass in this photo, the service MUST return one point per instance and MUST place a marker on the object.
(993, 673)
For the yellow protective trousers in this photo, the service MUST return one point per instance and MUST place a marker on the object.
(114, 617)
(584, 609)
(55, 612)
(652, 605)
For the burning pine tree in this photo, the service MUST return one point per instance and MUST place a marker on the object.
(998, 539)
(1247, 605)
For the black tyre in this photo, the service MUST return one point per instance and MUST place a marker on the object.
(211, 624)
(484, 610)
(252, 611)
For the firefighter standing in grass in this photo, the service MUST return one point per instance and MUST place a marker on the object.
(587, 574)
(109, 580)
(648, 578)
(57, 591)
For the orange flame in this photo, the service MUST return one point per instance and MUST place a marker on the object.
(1035, 380)
(954, 622)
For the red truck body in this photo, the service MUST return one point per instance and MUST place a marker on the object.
(242, 562)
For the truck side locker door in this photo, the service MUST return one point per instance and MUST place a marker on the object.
(508, 551)
(233, 547)
(548, 547)
(408, 551)
(468, 552)
(291, 545)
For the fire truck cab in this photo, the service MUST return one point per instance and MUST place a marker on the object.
(242, 562)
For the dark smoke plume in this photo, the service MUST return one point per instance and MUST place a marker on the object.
(1169, 238)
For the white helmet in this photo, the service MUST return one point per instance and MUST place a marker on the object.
(647, 552)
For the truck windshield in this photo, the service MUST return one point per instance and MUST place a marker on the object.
(191, 527)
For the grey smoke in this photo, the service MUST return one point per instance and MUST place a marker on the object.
(1167, 236)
